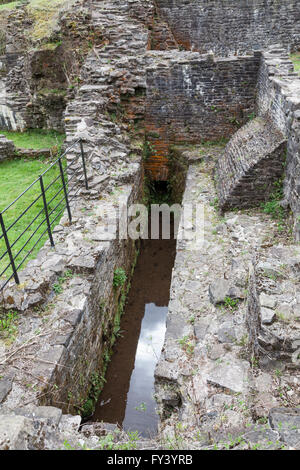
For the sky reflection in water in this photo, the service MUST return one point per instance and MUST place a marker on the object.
(141, 388)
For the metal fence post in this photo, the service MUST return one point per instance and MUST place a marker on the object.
(11, 258)
(83, 163)
(46, 211)
(65, 189)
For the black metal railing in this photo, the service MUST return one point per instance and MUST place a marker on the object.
(44, 221)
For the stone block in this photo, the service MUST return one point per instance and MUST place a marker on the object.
(286, 421)
(5, 388)
(7, 148)
(267, 316)
(232, 376)
(16, 432)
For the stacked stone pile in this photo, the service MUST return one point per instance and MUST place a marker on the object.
(110, 73)
(277, 319)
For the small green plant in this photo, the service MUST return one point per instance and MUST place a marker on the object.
(8, 325)
(273, 206)
(254, 362)
(142, 407)
(243, 341)
(282, 317)
(231, 304)
(234, 120)
(58, 286)
(108, 442)
(212, 143)
(67, 446)
(120, 277)
(78, 446)
(263, 420)
(97, 382)
(187, 345)
(214, 203)
(148, 150)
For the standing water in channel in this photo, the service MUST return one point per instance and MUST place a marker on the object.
(127, 397)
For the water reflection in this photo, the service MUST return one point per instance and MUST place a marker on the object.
(140, 404)
(127, 397)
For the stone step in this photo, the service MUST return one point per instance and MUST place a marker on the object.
(113, 70)
(252, 162)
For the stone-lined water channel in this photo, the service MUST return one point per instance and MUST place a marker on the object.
(128, 395)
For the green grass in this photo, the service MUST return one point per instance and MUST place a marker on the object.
(35, 138)
(15, 176)
(9, 6)
(295, 58)
(45, 15)
(8, 326)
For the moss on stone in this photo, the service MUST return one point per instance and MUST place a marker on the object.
(9, 6)
(45, 15)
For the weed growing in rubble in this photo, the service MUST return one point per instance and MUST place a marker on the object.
(273, 206)
(187, 345)
(230, 303)
(119, 277)
(8, 325)
(111, 441)
(58, 286)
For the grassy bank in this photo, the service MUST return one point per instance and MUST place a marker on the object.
(35, 138)
(15, 176)
(295, 58)
(9, 6)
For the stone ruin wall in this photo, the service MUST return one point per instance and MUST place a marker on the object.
(80, 321)
(225, 29)
(38, 78)
(25, 104)
(232, 27)
(241, 177)
(193, 97)
(279, 99)
(85, 312)
(78, 312)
